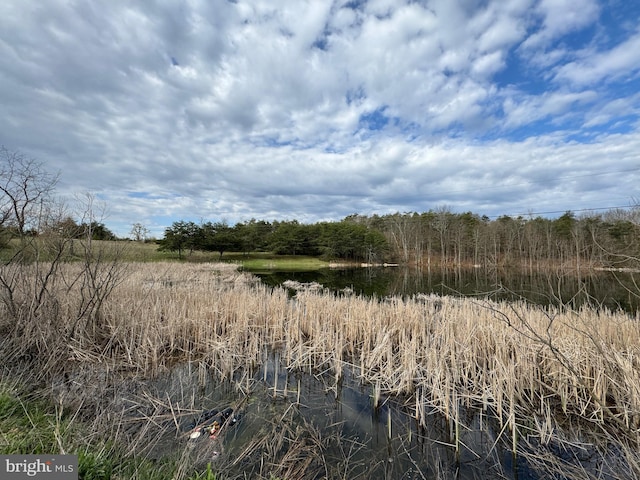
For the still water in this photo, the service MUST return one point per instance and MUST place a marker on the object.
(304, 425)
(310, 425)
(612, 290)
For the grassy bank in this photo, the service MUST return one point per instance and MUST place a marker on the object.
(535, 369)
(129, 251)
(148, 252)
(267, 261)
(37, 426)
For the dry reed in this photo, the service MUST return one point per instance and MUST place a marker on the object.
(515, 359)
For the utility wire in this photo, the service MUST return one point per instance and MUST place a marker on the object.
(563, 211)
(534, 182)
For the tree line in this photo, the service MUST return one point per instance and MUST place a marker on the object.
(66, 227)
(440, 236)
(345, 240)
(610, 239)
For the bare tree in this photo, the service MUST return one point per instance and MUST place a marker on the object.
(25, 186)
(139, 232)
(53, 285)
(441, 223)
(401, 231)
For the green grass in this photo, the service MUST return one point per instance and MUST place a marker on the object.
(129, 251)
(25, 427)
(268, 261)
(74, 250)
(30, 426)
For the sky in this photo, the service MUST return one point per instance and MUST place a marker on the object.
(313, 110)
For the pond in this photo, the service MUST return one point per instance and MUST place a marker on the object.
(612, 290)
(293, 424)
(305, 425)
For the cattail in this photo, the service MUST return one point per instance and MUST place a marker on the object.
(508, 358)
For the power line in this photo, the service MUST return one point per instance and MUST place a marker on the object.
(563, 211)
(602, 173)
(536, 181)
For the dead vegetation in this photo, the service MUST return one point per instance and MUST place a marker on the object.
(536, 370)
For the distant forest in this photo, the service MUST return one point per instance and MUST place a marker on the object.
(609, 239)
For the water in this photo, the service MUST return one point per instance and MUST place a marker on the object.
(309, 425)
(305, 425)
(291, 418)
(612, 290)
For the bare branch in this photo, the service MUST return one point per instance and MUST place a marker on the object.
(25, 186)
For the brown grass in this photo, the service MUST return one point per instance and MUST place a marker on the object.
(443, 352)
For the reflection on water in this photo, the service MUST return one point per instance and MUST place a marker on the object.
(301, 425)
(613, 290)
(307, 425)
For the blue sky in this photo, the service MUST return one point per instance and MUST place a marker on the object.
(314, 110)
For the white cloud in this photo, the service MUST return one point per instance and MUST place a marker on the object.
(560, 17)
(528, 109)
(313, 109)
(488, 64)
(622, 61)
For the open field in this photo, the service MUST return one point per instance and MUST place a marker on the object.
(129, 251)
(74, 250)
(537, 370)
(268, 261)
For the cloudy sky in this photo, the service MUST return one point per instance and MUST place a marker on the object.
(317, 109)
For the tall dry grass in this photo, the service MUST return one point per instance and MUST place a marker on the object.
(530, 366)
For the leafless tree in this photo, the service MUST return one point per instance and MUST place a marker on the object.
(53, 283)
(139, 232)
(441, 224)
(25, 186)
